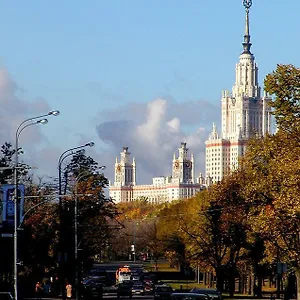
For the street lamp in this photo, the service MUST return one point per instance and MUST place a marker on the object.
(26, 123)
(80, 176)
(62, 157)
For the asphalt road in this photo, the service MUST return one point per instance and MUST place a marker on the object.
(114, 296)
(106, 296)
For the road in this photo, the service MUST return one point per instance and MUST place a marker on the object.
(106, 296)
(135, 297)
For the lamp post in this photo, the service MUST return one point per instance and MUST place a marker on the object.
(80, 176)
(62, 157)
(26, 123)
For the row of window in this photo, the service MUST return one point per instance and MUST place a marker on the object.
(218, 150)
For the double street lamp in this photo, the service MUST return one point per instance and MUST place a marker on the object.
(26, 123)
(62, 247)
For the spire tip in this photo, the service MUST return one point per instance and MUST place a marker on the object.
(247, 3)
(246, 43)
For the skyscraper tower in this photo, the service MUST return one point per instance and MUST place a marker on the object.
(244, 114)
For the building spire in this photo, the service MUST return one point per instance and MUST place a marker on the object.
(246, 43)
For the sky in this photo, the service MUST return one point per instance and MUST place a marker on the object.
(143, 74)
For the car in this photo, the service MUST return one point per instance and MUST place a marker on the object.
(137, 289)
(124, 289)
(92, 289)
(213, 294)
(6, 296)
(189, 296)
(148, 288)
(162, 292)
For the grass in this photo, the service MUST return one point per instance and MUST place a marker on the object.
(183, 284)
(162, 267)
(189, 284)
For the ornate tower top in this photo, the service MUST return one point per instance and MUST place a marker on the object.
(247, 3)
(246, 43)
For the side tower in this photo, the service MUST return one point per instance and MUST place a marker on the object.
(183, 166)
(125, 170)
(124, 179)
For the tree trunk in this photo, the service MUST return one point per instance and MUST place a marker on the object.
(297, 273)
(259, 287)
(231, 281)
(250, 284)
(219, 279)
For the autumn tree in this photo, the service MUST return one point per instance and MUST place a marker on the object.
(151, 240)
(39, 236)
(284, 84)
(216, 229)
(84, 179)
(136, 219)
(172, 218)
(272, 172)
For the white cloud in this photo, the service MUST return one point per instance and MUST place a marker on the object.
(155, 133)
(174, 125)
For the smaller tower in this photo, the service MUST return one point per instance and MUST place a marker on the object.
(183, 166)
(201, 179)
(125, 170)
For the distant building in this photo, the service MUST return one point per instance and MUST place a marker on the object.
(244, 114)
(180, 185)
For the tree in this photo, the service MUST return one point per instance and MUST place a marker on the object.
(216, 230)
(39, 235)
(284, 83)
(171, 219)
(151, 239)
(94, 209)
(272, 173)
(175, 250)
(136, 220)
(6, 161)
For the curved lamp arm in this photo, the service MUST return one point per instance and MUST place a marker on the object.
(50, 113)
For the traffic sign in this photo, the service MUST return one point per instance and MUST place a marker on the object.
(6, 234)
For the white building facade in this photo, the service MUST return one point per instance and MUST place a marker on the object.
(180, 185)
(244, 114)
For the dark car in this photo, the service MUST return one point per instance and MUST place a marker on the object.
(124, 290)
(92, 289)
(189, 296)
(162, 292)
(148, 288)
(212, 293)
(6, 296)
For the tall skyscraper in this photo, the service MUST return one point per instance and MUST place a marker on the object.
(244, 114)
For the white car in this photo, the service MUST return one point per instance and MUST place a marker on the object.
(137, 289)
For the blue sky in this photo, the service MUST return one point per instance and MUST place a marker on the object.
(114, 68)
